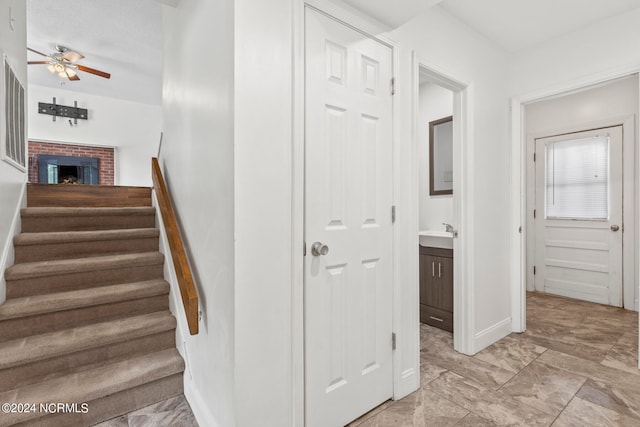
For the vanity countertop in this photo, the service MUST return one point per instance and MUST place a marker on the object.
(436, 239)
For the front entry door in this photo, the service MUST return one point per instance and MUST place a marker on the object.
(579, 215)
(348, 198)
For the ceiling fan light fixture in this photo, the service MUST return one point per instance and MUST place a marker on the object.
(64, 64)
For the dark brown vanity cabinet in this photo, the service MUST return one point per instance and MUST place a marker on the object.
(436, 287)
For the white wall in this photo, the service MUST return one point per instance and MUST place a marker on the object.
(13, 42)
(449, 47)
(263, 219)
(617, 99)
(435, 103)
(603, 48)
(133, 128)
(197, 156)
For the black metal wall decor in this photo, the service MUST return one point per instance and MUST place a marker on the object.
(57, 110)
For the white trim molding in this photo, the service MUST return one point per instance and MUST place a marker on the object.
(493, 333)
(8, 252)
(463, 286)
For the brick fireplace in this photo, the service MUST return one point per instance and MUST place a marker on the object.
(68, 159)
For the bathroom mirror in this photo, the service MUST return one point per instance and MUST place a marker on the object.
(441, 156)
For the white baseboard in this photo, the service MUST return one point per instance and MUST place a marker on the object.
(198, 405)
(492, 334)
(8, 251)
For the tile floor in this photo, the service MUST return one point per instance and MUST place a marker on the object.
(174, 412)
(576, 365)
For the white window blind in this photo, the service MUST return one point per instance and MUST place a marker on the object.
(577, 178)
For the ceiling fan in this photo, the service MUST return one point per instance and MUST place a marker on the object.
(64, 61)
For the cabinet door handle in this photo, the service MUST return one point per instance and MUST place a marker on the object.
(433, 268)
(436, 319)
(439, 270)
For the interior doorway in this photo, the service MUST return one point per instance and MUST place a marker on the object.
(435, 164)
(572, 250)
(444, 301)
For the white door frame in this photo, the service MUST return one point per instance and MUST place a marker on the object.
(368, 26)
(518, 223)
(463, 290)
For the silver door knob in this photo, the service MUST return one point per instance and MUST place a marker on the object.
(615, 228)
(319, 248)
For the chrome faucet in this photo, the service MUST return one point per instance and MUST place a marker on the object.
(448, 227)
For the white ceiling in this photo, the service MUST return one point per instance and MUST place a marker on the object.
(392, 13)
(511, 24)
(518, 24)
(121, 37)
(124, 37)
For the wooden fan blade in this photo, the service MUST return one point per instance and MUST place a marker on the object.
(72, 56)
(70, 76)
(94, 71)
(37, 62)
(35, 51)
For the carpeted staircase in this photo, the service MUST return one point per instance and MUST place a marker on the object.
(86, 320)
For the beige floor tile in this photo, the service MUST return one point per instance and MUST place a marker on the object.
(481, 372)
(544, 387)
(511, 353)
(429, 370)
(473, 420)
(616, 398)
(592, 370)
(554, 340)
(431, 337)
(420, 409)
(168, 413)
(115, 422)
(580, 413)
(438, 351)
(489, 404)
(624, 354)
(583, 335)
(575, 360)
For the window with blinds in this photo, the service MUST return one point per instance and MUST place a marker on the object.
(577, 178)
(14, 118)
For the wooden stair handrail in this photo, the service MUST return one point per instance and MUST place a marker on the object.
(176, 245)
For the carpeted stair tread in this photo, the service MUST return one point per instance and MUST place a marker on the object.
(52, 344)
(33, 305)
(32, 239)
(86, 316)
(78, 265)
(94, 384)
(69, 212)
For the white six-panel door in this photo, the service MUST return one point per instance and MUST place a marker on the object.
(348, 199)
(579, 215)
